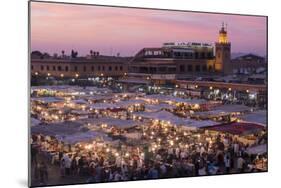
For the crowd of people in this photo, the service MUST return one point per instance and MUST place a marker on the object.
(162, 152)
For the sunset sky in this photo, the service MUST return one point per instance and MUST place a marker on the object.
(56, 27)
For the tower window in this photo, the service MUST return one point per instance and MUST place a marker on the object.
(54, 68)
(110, 68)
(92, 68)
(42, 67)
(84, 68)
(66, 68)
(75, 68)
(197, 68)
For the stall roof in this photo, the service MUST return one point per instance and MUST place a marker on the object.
(157, 107)
(47, 99)
(34, 121)
(256, 117)
(199, 123)
(233, 108)
(170, 98)
(112, 122)
(237, 128)
(103, 106)
(71, 89)
(99, 97)
(161, 115)
(79, 101)
(80, 112)
(259, 149)
(70, 132)
(173, 119)
(62, 128)
(128, 103)
(213, 113)
(83, 137)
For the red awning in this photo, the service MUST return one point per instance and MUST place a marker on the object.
(237, 128)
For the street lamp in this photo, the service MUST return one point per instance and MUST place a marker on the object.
(76, 75)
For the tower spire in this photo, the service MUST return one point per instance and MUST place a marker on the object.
(223, 34)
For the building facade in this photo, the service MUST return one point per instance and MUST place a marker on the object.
(172, 61)
(190, 59)
(79, 67)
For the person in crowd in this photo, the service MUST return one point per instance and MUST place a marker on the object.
(62, 168)
(43, 172)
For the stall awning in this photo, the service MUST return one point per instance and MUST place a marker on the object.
(237, 128)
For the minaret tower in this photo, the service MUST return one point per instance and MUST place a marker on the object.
(223, 47)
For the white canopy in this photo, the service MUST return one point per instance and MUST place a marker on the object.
(259, 149)
(256, 117)
(47, 99)
(103, 106)
(83, 137)
(112, 122)
(169, 98)
(34, 121)
(173, 119)
(232, 108)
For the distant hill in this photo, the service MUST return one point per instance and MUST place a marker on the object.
(237, 54)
